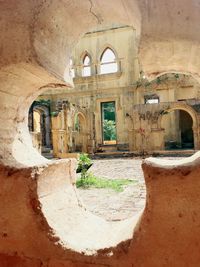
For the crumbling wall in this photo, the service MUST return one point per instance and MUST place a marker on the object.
(36, 40)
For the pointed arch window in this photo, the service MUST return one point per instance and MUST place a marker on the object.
(86, 66)
(71, 68)
(108, 62)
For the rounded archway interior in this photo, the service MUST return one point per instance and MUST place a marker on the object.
(178, 125)
(174, 123)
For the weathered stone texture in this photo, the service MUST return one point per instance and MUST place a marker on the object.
(45, 32)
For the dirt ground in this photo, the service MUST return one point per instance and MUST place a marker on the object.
(116, 205)
(113, 205)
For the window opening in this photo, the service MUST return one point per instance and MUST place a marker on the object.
(108, 122)
(86, 66)
(108, 62)
(151, 99)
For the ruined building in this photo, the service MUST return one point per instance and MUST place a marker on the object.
(43, 221)
(113, 107)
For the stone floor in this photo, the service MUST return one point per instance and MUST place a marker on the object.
(113, 205)
(116, 205)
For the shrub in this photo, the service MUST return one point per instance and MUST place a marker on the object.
(84, 163)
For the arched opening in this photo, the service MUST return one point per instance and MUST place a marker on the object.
(178, 129)
(44, 37)
(84, 119)
(109, 131)
(39, 123)
(86, 71)
(108, 62)
(79, 134)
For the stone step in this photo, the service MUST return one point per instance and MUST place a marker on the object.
(107, 148)
(113, 148)
(174, 153)
(47, 155)
(46, 150)
(161, 153)
(112, 154)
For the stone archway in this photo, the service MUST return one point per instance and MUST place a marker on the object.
(189, 110)
(43, 34)
(80, 132)
(45, 123)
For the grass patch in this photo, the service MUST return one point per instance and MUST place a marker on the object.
(91, 181)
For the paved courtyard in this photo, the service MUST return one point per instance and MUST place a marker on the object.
(116, 205)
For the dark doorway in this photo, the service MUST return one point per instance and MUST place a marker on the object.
(187, 137)
(178, 125)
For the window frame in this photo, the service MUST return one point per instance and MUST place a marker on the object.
(116, 61)
(86, 66)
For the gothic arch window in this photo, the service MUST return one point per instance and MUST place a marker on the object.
(108, 62)
(86, 66)
(71, 68)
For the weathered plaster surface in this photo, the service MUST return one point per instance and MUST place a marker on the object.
(45, 222)
(35, 44)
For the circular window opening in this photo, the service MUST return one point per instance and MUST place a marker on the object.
(69, 124)
(65, 124)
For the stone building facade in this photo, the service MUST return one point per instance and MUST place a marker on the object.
(42, 220)
(149, 116)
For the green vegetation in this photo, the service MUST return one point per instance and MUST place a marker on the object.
(109, 130)
(91, 181)
(88, 180)
(54, 113)
(84, 163)
(109, 121)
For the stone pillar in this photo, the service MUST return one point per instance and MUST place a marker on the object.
(196, 138)
(48, 130)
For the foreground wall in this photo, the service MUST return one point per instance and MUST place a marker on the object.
(35, 43)
(44, 223)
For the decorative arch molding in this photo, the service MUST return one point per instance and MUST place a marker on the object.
(82, 113)
(41, 108)
(80, 134)
(86, 68)
(155, 75)
(104, 48)
(84, 54)
(108, 67)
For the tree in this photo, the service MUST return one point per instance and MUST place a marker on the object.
(109, 130)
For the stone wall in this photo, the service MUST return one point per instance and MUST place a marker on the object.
(36, 40)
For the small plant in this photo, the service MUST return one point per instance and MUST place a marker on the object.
(54, 113)
(88, 180)
(84, 163)
(91, 181)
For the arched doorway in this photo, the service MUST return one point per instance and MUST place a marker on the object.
(40, 126)
(80, 136)
(178, 125)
